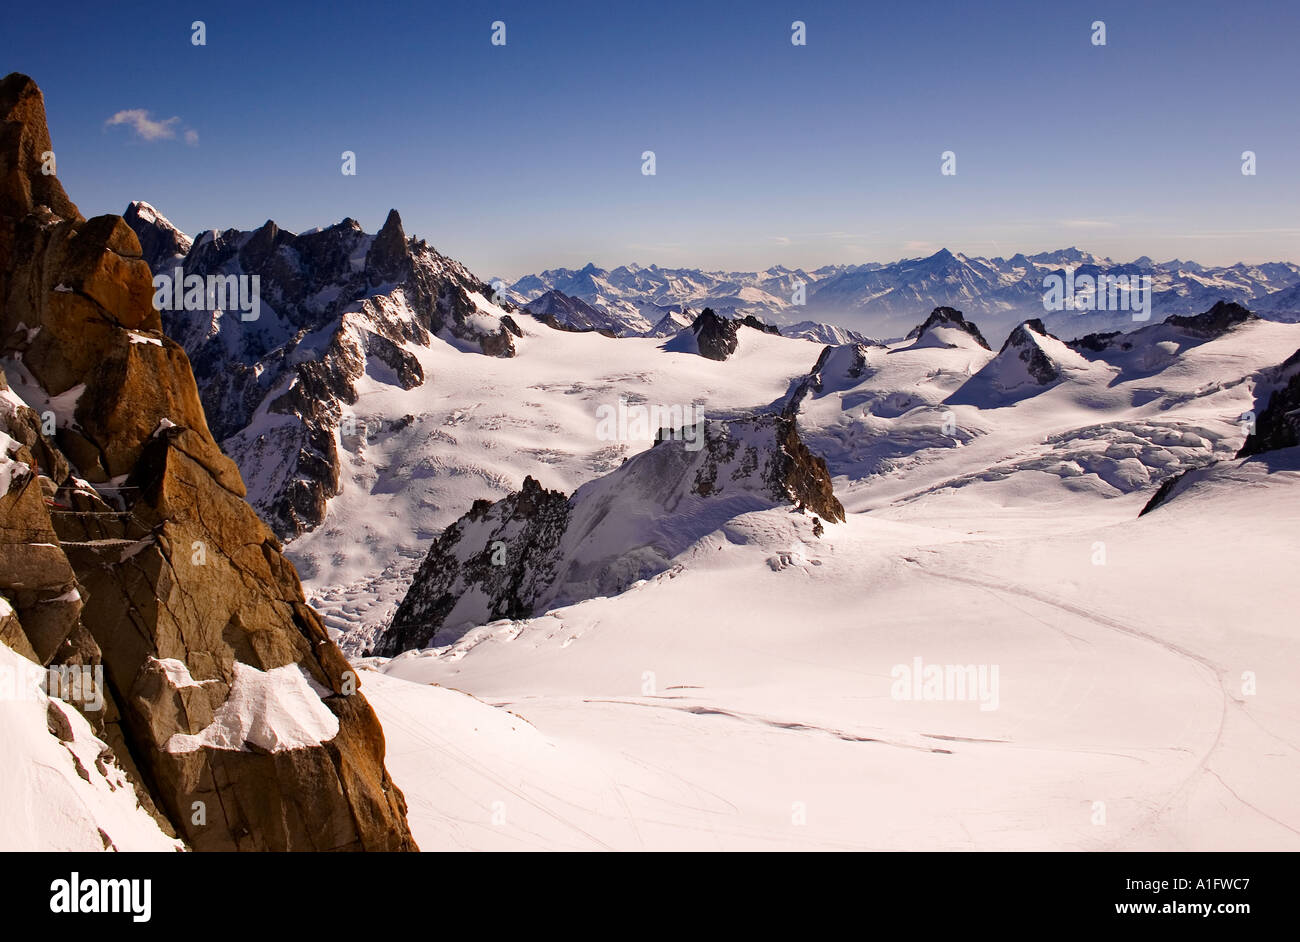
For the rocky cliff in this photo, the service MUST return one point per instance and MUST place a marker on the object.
(1278, 424)
(126, 544)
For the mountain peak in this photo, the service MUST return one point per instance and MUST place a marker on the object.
(23, 186)
(161, 243)
(389, 256)
(948, 317)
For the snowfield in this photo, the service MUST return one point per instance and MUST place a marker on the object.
(995, 651)
(1130, 679)
(60, 788)
(738, 706)
(479, 425)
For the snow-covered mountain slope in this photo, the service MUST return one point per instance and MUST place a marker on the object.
(824, 333)
(537, 549)
(1099, 686)
(558, 310)
(333, 306)
(890, 418)
(714, 336)
(1118, 415)
(422, 456)
(882, 299)
(1282, 305)
(564, 312)
(747, 689)
(671, 323)
(625, 291)
(1030, 359)
(736, 704)
(60, 786)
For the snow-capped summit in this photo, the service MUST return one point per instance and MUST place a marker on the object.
(562, 312)
(946, 327)
(672, 322)
(162, 244)
(715, 337)
(882, 299)
(825, 333)
(1030, 359)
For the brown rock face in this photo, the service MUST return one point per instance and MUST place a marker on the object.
(125, 543)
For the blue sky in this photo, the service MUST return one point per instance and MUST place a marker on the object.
(528, 156)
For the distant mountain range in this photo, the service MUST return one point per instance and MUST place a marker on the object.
(884, 300)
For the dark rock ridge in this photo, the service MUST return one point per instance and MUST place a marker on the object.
(559, 311)
(1217, 321)
(537, 549)
(1277, 425)
(523, 532)
(161, 243)
(836, 367)
(716, 337)
(1023, 342)
(1223, 317)
(125, 543)
(1098, 342)
(335, 303)
(947, 317)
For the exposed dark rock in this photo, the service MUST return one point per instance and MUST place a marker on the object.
(847, 362)
(560, 311)
(161, 243)
(1215, 322)
(523, 532)
(714, 335)
(1277, 425)
(551, 321)
(947, 317)
(1162, 494)
(389, 258)
(1024, 343)
(530, 552)
(1099, 342)
(329, 300)
(717, 337)
(749, 320)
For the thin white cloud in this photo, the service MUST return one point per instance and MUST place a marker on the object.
(138, 120)
(152, 129)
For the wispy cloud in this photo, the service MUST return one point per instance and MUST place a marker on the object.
(1086, 224)
(151, 129)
